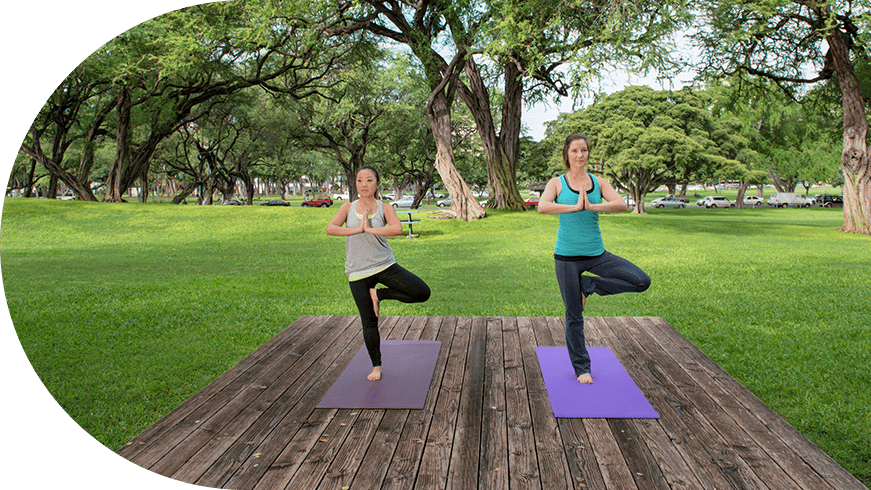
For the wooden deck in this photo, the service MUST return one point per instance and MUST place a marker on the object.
(487, 422)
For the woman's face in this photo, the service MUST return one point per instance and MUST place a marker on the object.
(366, 183)
(578, 153)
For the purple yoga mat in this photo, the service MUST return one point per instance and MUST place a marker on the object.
(613, 394)
(407, 371)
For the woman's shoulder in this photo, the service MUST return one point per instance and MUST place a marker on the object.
(603, 184)
(555, 181)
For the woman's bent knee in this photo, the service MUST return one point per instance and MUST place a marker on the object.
(423, 294)
(643, 282)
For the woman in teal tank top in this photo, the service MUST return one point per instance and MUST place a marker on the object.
(578, 197)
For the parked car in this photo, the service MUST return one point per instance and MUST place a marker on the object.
(232, 202)
(668, 202)
(445, 203)
(318, 201)
(340, 197)
(700, 202)
(717, 202)
(405, 202)
(681, 199)
(828, 201)
(275, 202)
(753, 201)
(789, 199)
(531, 203)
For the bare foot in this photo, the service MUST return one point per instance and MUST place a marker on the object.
(375, 375)
(585, 379)
(375, 303)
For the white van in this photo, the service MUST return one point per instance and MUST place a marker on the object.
(789, 199)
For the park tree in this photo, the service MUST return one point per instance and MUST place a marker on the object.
(420, 27)
(646, 138)
(162, 73)
(552, 48)
(344, 121)
(406, 150)
(224, 146)
(791, 143)
(733, 137)
(74, 115)
(796, 44)
(525, 41)
(533, 162)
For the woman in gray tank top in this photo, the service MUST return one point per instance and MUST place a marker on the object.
(369, 260)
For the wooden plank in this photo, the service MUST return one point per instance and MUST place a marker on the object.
(341, 469)
(493, 467)
(581, 460)
(676, 420)
(591, 440)
(672, 468)
(251, 471)
(409, 450)
(282, 468)
(522, 461)
(552, 463)
(215, 394)
(217, 417)
(731, 429)
(376, 461)
(328, 447)
(613, 466)
(280, 416)
(701, 416)
(639, 458)
(466, 450)
(800, 458)
(652, 465)
(256, 426)
(433, 469)
(279, 472)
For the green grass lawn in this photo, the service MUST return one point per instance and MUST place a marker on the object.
(126, 310)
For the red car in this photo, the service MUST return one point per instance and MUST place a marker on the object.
(319, 201)
(531, 203)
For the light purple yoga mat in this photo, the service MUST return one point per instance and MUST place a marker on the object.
(613, 394)
(407, 367)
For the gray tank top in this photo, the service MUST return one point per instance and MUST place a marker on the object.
(366, 254)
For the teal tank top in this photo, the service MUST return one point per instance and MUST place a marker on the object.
(579, 234)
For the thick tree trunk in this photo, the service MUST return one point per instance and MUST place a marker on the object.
(512, 112)
(249, 189)
(463, 202)
(31, 174)
(35, 152)
(114, 190)
(187, 191)
(500, 176)
(742, 189)
(856, 156)
(143, 187)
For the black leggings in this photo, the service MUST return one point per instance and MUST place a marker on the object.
(401, 285)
